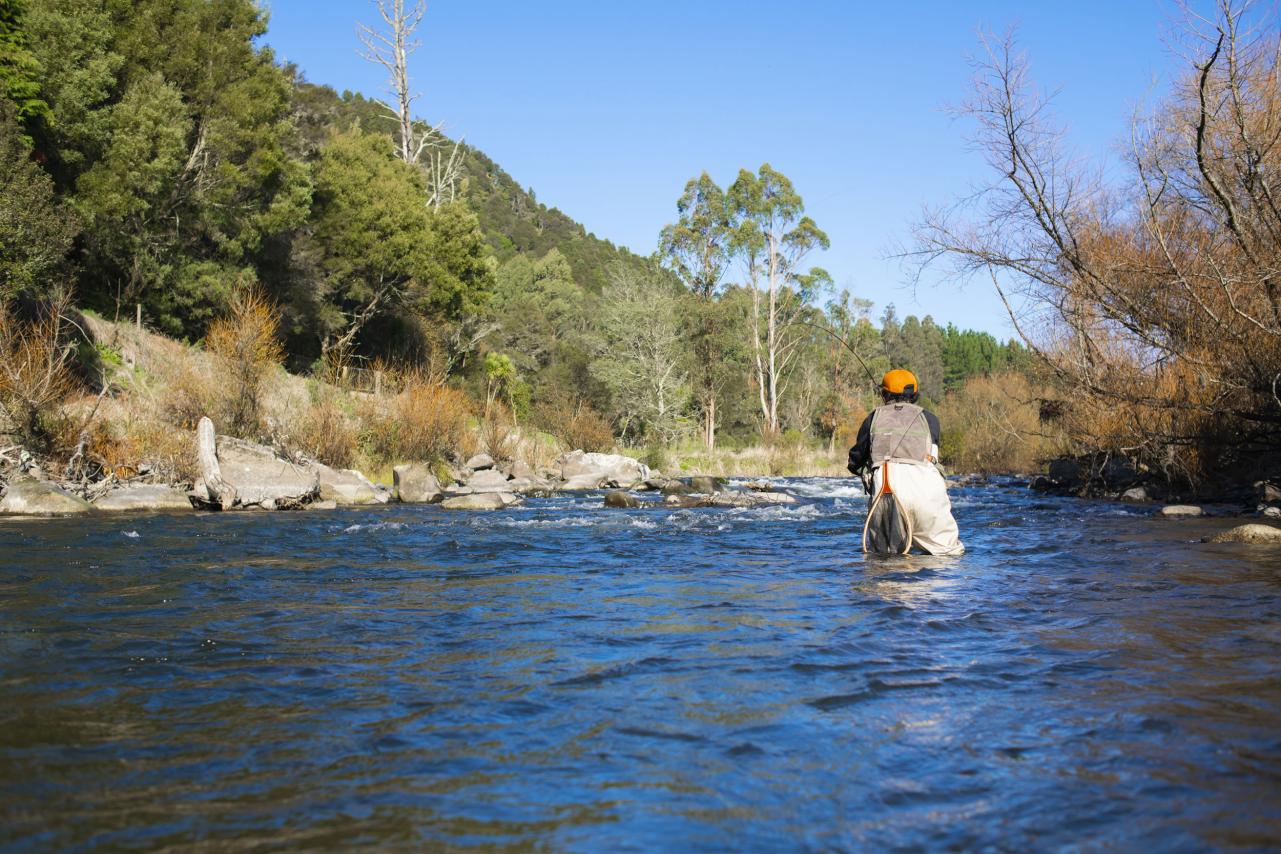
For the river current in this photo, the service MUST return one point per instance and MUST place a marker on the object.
(562, 676)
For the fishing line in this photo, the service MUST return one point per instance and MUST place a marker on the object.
(871, 376)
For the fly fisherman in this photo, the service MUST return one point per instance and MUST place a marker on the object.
(899, 444)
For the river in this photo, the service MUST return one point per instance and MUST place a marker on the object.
(567, 677)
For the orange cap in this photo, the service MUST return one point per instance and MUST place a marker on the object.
(898, 380)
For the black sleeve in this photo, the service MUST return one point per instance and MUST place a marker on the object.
(935, 431)
(862, 450)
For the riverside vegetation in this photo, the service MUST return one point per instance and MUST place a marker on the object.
(364, 293)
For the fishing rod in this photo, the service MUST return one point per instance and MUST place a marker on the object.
(862, 475)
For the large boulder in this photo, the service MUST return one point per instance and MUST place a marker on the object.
(348, 487)
(144, 497)
(488, 480)
(1066, 473)
(1253, 534)
(481, 501)
(480, 462)
(261, 478)
(414, 483)
(40, 498)
(612, 468)
(521, 470)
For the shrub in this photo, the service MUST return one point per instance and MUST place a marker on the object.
(247, 351)
(128, 445)
(574, 424)
(323, 430)
(427, 420)
(992, 424)
(37, 376)
(498, 432)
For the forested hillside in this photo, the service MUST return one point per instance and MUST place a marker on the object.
(161, 164)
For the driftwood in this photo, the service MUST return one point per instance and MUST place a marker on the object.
(220, 492)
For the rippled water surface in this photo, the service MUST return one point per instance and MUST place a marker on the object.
(573, 678)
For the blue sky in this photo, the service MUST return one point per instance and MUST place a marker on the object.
(605, 109)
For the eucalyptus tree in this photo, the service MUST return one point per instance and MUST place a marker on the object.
(697, 249)
(771, 237)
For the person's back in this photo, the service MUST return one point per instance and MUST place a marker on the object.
(898, 444)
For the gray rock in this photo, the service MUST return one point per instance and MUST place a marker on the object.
(1254, 534)
(481, 501)
(1136, 493)
(323, 504)
(1268, 492)
(758, 486)
(1270, 512)
(582, 482)
(263, 479)
(1182, 510)
(653, 482)
(488, 480)
(705, 484)
(348, 487)
(684, 502)
(39, 498)
(144, 497)
(675, 487)
(749, 499)
(611, 467)
(480, 462)
(414, 483)
(619, 498)
(521, 470)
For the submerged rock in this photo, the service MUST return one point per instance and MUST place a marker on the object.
(481, 501)
(1254, 534)
(144, 497)
(40, 498)
(414, 483)
(1182, 510)
(621, 499)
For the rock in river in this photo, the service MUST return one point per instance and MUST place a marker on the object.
(705, 485)
(348, 487)
(415, 484)
(144, 497)
(619, 498)
(481, 501)
(614, 468)
(488, 480)
(1182, 511)
(263, 479)
(1255, 534)
(38, 498)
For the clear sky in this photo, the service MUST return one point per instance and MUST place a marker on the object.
(606, 108)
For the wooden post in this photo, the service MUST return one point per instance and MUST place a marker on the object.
(138, 316)
(378, 383)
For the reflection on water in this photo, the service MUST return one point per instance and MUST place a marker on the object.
(568, 677)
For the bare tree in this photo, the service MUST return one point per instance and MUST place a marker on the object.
(1155, 304)
(418, 143)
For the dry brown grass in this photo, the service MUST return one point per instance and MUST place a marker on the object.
(324, 429)
(574, 424)
(426, 421)
(130, 443)
(498, 436)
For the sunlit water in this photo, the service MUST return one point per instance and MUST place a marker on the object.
(573, 678)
